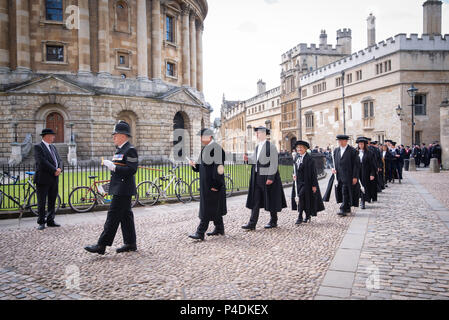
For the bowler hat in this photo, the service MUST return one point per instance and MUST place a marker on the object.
(262, 129)
(342, 137)
(47, 131)
(122, 128)
(302, 143)
(205, 132)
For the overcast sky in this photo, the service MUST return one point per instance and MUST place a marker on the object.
(244, 39)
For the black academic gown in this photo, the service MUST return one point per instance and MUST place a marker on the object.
(306, 178)
(274, 197)
(347, 169)
(367, 169)
(212, 204)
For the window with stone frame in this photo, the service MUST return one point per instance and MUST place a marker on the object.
(350, 112)
(349, 78)
(336, 114)
(54, 53)
(169, 29)
(171, 69)
(368, 109)
(122, 16)
(339, 82)
(54, 10)
(309, 120)
(359, 75)
(421, 105)
(123, 59)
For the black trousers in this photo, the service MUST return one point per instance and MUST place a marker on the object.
(204, 225)
(119, 213)
(46, 192)
(346, 205)
(258, 202)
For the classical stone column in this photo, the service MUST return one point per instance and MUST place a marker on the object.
(104, 68)
(142, 40)
(4, 30)
(199, 58)
(193, 77)
(23, 36)
(84, 38)
(156, 38)
(185, 46)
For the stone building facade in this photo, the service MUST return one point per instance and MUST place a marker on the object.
(239, 118)
(79, 66)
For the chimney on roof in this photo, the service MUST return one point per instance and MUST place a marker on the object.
(371, 30)
(432, 17)
(323, 38)
(261, 87)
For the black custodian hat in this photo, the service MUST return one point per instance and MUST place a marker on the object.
(262, 129)
(362, 139)
(122, 128)
(342, 137)
(302, 143)
(47, 131)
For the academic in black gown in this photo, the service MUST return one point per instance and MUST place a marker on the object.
(367, 170)
(306, 177)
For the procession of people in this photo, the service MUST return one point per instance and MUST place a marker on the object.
(359, 173)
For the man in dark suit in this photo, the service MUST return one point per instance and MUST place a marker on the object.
(123, 168)
(265, 186)
(346, 168)
(48, 169)
(210, 166)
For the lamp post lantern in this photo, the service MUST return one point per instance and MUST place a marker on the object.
(412, 94)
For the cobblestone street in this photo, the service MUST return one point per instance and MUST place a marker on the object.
(403, 239)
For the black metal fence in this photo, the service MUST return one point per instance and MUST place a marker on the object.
(85, 175)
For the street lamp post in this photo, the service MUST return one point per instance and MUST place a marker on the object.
(344, 109)
(412, 93)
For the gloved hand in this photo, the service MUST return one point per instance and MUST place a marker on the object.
(109, 164)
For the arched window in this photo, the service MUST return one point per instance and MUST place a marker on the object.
(122, 16)
(53, 10)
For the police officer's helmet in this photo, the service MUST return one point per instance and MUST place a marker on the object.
(123, 128)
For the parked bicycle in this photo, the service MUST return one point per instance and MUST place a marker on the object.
(29, 201)
(195, 187)
(84, 199)
(149, 192)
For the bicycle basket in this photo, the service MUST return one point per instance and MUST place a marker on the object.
(104, 189)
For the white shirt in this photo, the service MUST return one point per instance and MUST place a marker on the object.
(51, 151)
(260, 147)
(361, 153)
(342, 151)
(384, 153)
(301, 159)
(122, 145)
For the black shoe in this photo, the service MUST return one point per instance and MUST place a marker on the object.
(341, 212)
(96, 249)
(299, 221)
(307, 220)
(41, 227)
(271, 225)
(197, 236)
(249, 227)
(127, 248)
(216, 232)
(53, 225)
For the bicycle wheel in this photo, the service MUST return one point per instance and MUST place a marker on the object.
(82, 199)
(183, 192)
(148, 193)
(195, 188)
(32, 203)
(229, 186)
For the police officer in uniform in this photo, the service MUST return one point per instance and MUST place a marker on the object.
(347, 165)
(212, 186)
(265, 186)
(123, 168)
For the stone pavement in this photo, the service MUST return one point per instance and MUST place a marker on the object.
(399, 244)
(396, 249)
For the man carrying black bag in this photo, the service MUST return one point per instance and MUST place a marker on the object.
(212, 186)
(123, 168)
